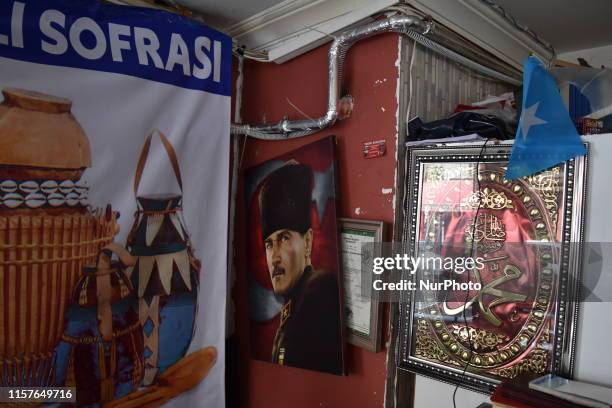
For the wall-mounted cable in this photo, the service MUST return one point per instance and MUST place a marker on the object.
(473, 256)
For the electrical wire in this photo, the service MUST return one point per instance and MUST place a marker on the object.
(510, 18)
(412, 58)
(242, 51)
(404, 9)
(467, 292)
(458, 58)
(461, 60)
(408, 108)
(404, 237)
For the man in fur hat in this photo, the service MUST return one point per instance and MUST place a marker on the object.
(309, 333)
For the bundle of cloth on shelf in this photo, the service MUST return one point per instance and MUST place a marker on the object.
(493, 118)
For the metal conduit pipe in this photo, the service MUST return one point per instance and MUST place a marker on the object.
(434, 46)
(287, 129)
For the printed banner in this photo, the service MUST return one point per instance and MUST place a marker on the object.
(114, 168)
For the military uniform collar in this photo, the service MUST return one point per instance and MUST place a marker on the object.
(294, 296)
(296, 292)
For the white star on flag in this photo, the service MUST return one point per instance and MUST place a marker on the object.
(530, 119)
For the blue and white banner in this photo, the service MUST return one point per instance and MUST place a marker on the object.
(145, 43)
(112, 76)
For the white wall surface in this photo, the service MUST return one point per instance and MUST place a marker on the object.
(593, 348)
(596, 57)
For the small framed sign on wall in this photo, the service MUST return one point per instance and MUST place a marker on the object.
(361, 239)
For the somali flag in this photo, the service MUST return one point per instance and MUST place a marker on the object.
(546, 135)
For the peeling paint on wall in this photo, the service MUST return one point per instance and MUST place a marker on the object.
(380, 81)
(398, 89)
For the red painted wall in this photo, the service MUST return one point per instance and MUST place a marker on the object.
(371, 77)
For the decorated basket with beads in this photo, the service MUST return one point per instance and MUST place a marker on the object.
(43, 194)
(41, 257)
(102, 336)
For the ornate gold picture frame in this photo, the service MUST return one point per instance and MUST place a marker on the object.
(527, 234)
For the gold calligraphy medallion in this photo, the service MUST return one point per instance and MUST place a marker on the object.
(508, 326)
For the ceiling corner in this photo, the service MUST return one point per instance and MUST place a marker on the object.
(293, 27)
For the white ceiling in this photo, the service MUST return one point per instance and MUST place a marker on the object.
(566, 24)
(224, 13)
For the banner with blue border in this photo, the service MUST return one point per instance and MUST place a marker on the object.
(140, 42)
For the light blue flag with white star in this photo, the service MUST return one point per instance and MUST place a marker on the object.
(546, 135)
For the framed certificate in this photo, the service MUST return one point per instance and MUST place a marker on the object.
(363, 316)
(513, 311)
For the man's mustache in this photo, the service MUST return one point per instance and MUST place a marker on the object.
(278, 270)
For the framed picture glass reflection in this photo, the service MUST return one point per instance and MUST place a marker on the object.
(527, 234)
(363, 314)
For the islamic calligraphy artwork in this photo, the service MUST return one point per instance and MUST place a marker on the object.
(489, 233)
(511, 272)
(518, 321)
(546, 183)
(488, 198)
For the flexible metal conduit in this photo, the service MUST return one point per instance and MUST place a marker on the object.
(287, 129)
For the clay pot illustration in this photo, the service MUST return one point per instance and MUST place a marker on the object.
(46, 236)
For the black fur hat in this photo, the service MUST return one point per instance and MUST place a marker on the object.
(285, 199)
